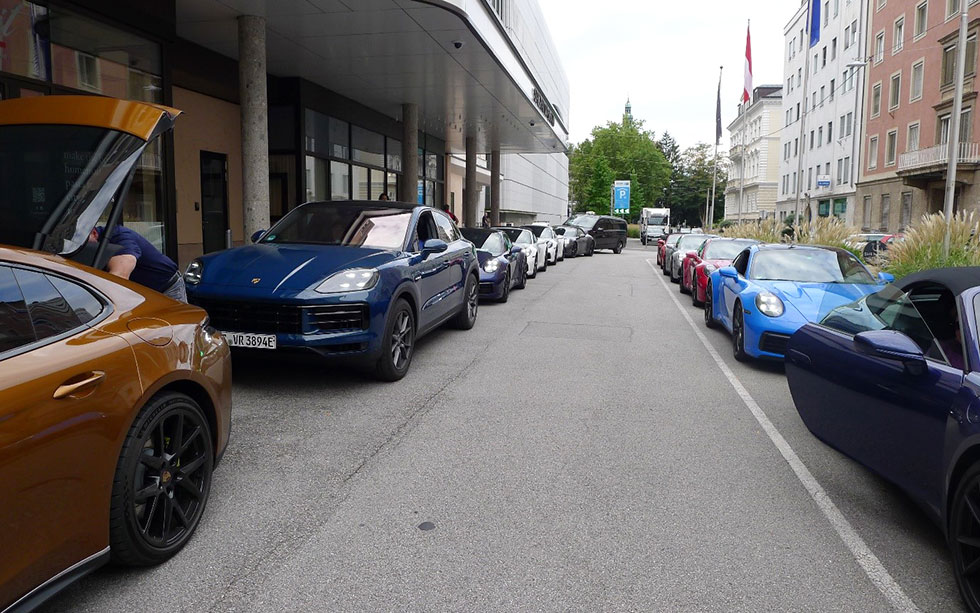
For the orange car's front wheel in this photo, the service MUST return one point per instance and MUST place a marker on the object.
(162, 481)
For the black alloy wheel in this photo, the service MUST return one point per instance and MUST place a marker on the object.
(619, 247)
(466, 318)
(709, 314)
(666, 267)
(162, 481)
(521, 277)
(545, 260)
(591, 250)
(694, 289)
(532, 271)
(398, 345)
(964, 536)
(506, 293)
(684, 290)
(738, 334)
(674, 278)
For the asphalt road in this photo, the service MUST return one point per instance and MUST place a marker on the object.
(579, 449)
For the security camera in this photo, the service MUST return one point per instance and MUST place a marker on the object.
(458, 44)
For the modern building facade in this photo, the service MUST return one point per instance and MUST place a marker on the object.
(909, 102)
(458, 102)
(752, 187)
(821, 114)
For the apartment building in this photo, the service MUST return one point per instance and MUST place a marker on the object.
(754, 134)
(820, 111)
(909, 102)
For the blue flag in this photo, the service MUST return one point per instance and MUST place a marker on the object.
(814, 22)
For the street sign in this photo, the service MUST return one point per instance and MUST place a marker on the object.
(823, 180)
(621, 197)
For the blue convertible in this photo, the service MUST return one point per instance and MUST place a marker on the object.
(502, 264)
(770, 291)
(893, 381)
(360, 280)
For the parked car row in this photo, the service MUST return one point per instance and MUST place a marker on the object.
(885, 372)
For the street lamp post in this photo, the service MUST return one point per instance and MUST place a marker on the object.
(954, 126)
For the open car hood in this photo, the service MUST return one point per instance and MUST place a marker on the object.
(64, 160)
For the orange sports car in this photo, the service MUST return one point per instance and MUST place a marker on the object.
(115, 401)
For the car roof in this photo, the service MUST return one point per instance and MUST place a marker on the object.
(957, 280)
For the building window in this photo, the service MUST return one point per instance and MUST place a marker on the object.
(879, 47)
(886, 205)
(850, 123)
(880, 4)
(339, 181)
(811, 139)
(833, 84)
(906, 210)
(840, 170)
(819, 136)
(943, 128)
(873, 153)
(949, 61)
(891, 147)
(847, 38)
(830, 131)
(915, 92)
(965, 118)
(921, 17)
(847, 170)
(823, 55)
(854, 32)
(952, 7)
(913, 139)
(360, 183)
(367, 146)
(823, 96)
(898, 36)
(876, 100)
(833, 49)
(88, 72)
(826, 13)
(895, 91)
(867, 213)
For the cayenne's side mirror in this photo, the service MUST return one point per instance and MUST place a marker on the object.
(257, 235)
(433, 246)
(728, 272)
(885, 278)
(892, 345)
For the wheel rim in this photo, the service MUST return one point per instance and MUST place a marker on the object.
(471, 300)
(739, 332)
(966, 542)
(707, 305)
(402, 340)
(172, 478)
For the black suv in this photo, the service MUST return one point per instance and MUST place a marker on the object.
(609, 232)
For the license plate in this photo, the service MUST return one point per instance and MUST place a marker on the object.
(250, 340)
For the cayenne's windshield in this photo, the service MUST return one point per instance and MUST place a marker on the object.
(724, 250)
(809, 266)
(351, 225)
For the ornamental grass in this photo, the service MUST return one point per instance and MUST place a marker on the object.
(922, 247)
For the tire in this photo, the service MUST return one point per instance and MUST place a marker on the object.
(153, 492)
(504, 296)
(521, 278)
(643, 241)
(398, 344)
(544, 268)
(963, 533)
(709, 313)
(664, 267)
(532, 271)
(682, 288)
(694, 290)
(591, 251)
(618, 248)
(738, 334)
(466, 318)
(674, 279)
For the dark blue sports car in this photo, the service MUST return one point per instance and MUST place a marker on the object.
(893, 381)
(359, 280)
(502, 264)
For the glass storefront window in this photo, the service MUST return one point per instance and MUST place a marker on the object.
(339, 181)
(360, 185)
(339, 139)
(282, 185)
(432, 166)
(316, 179)
(23, 50)
(377, 184)
(394, 161)
(392, 187)
(92, 56)
(367, 146)
(421, 192)
(143, 208)
(282, 128)
(430, 193)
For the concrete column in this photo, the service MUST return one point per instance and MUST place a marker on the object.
(495, 187)
(255, 122)
(472, 194)
(410, 153)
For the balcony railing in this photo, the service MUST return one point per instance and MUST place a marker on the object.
(938, 156)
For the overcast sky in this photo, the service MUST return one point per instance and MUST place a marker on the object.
(664, 55)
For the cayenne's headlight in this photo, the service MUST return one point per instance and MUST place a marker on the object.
(192, 276)
(492, 265)
(352, 280)
(769, 304)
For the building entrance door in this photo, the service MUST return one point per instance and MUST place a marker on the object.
(214, 199)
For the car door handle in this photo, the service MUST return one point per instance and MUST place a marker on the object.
(71, 387)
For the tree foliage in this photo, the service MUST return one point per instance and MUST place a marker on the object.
(661, 174)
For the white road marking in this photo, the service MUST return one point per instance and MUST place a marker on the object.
(868, 561)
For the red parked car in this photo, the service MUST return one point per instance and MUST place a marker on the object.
(698, 266)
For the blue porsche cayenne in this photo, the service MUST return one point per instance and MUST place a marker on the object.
(344, 279)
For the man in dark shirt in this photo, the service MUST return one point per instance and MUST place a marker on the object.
(138, 260)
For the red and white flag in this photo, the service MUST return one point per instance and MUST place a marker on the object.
(747, 90)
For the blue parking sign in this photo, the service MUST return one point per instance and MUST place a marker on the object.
(621, 197)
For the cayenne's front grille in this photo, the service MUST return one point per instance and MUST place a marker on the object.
(335, 317)
(773, 342)
(265, 318)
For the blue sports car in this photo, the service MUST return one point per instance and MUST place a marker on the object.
(771, 290)
(360, 280)
(893, 381)
(502, 264)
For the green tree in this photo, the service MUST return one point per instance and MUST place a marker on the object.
(692, 184)
(618, 151)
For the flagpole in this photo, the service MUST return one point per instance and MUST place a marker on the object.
(714, 174)
(741, 182)
(802, 120)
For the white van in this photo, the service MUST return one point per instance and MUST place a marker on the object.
(654, 224)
